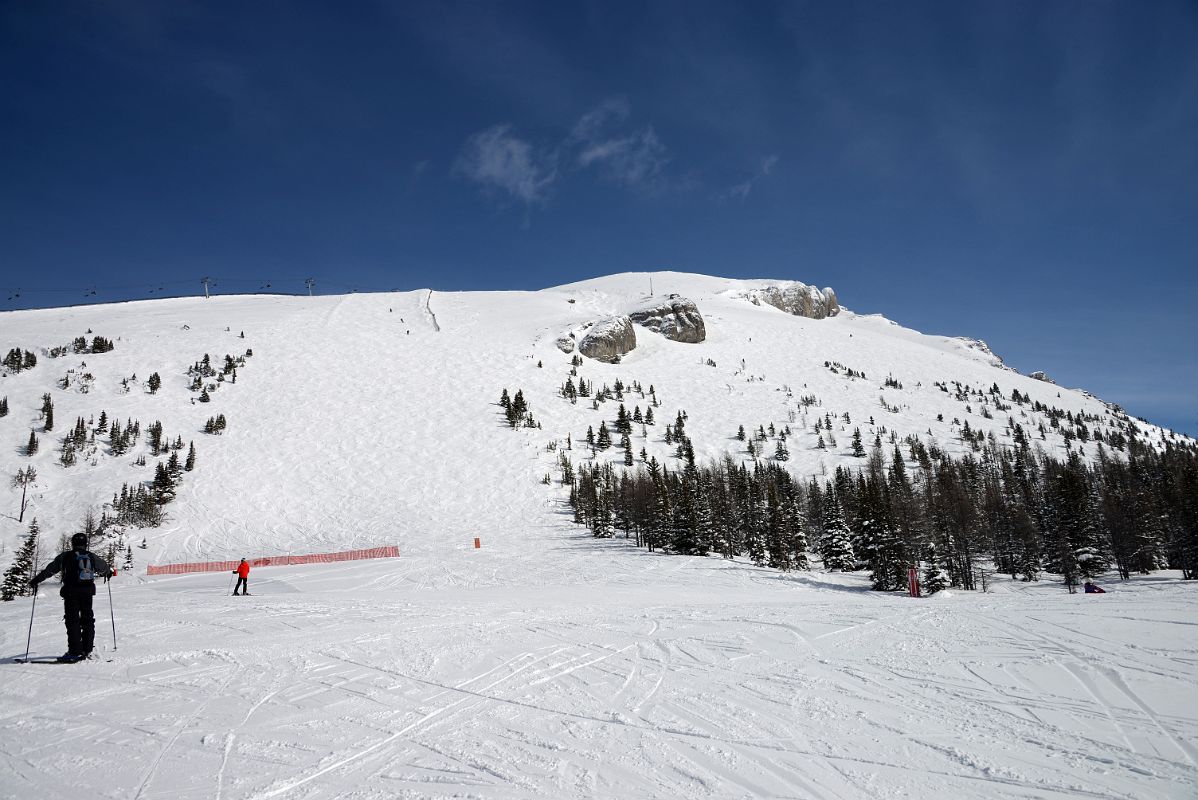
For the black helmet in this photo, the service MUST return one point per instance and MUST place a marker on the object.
(79, 541)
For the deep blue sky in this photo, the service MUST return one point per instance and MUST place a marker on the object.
(1021, 172)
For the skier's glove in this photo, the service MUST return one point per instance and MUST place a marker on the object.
(33, 582)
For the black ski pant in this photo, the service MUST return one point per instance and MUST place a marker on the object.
(78, 616)
(243, 584)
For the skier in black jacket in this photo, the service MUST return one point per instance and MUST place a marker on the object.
(79, 568)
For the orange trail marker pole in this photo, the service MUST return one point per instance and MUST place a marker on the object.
(477, 543)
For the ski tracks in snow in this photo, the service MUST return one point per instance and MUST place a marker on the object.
(372, 686)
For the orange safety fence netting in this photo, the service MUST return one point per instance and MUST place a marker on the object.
(390, 551)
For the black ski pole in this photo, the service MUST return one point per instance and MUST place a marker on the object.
(30, 636)
(111, 615)
(230, 582)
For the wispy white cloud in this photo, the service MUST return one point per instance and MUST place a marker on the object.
(498, 160)
(634, 158)
(601, 140)
(741, 190)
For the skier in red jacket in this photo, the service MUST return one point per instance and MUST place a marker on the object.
(243, 575)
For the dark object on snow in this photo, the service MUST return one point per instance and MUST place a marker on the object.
(1094, 588)
(29, 636)
(79, 568)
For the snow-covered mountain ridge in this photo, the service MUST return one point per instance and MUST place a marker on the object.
(355, 420)
(547, 662)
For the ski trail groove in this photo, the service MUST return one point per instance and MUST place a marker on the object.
(153, 768)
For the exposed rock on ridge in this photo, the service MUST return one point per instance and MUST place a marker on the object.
(673, 316)
(608, 339)
(796, 298)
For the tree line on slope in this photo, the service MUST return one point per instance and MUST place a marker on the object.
(1008, 509)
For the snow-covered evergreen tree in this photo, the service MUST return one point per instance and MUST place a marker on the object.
(934, 578)
(836, 549)
(23, 567)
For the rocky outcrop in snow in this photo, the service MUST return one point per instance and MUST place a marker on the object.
(565, 343)
(796, 298)
(979, 346)
(608, 339)
(1040, 376)
(673, 316)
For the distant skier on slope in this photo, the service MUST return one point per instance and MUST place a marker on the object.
(79, 568)
(1094, 588)
(243, 578)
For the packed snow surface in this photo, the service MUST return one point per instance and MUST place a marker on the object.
(545, 663)
(566, 668)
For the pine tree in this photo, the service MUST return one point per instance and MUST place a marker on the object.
(623, 423)
(755, 523)
(604, 439)
(835, 547)
(164, 487)
(24, 479)
(626, 443)
(66, 454)
(190, 464)
(3, 406)
(174, 469)
(934, 578)
(780, 452)
(777, 552)
(18, 575)
(155, 382)
(31, 447)
(601, 523)
(858, 448)
(519, 407)
(796, 535)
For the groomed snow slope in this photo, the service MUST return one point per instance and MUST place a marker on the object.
(357, 422)
(545, 664)
(594, 671)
